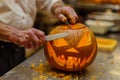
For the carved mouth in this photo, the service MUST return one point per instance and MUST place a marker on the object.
(70, 62)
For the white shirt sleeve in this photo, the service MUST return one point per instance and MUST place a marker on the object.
(45, 5)
(19, 14)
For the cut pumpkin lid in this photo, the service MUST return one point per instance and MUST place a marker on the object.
(77, 26)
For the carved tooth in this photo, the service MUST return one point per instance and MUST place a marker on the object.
(51, 52)
(83, 62)
(69, 62)
(90, 57)
(76, 62)
(55, 58)
(62, 56)
(61, 60)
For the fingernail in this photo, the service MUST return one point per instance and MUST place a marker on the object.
(72, 21)
(64, 19)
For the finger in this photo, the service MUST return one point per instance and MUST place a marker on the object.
(62, 17)
(34, 40)
(70, 13)
(23, 41)
(40, 35)
(73, 16)
(29, 43)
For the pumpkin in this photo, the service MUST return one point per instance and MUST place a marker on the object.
(74, 52)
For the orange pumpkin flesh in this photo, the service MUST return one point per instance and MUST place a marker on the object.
(74, 52)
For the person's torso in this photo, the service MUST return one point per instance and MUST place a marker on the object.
(18, 13)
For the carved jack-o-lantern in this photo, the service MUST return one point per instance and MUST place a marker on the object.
(74, 52)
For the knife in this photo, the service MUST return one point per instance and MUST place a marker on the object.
(59, 35)
(56, 36)
(68, 24)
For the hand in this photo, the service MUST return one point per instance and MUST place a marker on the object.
(66, 12)
(31, 38)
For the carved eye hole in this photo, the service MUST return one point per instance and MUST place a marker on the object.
(60, 42)
(85, 41)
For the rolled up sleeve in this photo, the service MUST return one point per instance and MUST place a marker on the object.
(46, 5)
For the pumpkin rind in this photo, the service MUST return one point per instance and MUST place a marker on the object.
(74, 52)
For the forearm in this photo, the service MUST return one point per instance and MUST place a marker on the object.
(30, 38)
(55, 5)
(6, 31)
(46, 5)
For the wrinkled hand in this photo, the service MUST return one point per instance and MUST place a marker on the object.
(66, 12)
(31, 38)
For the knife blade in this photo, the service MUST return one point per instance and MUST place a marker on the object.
(69, 26)
(56, 36)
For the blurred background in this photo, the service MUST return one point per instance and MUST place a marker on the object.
(105, 14)
(100, 16)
